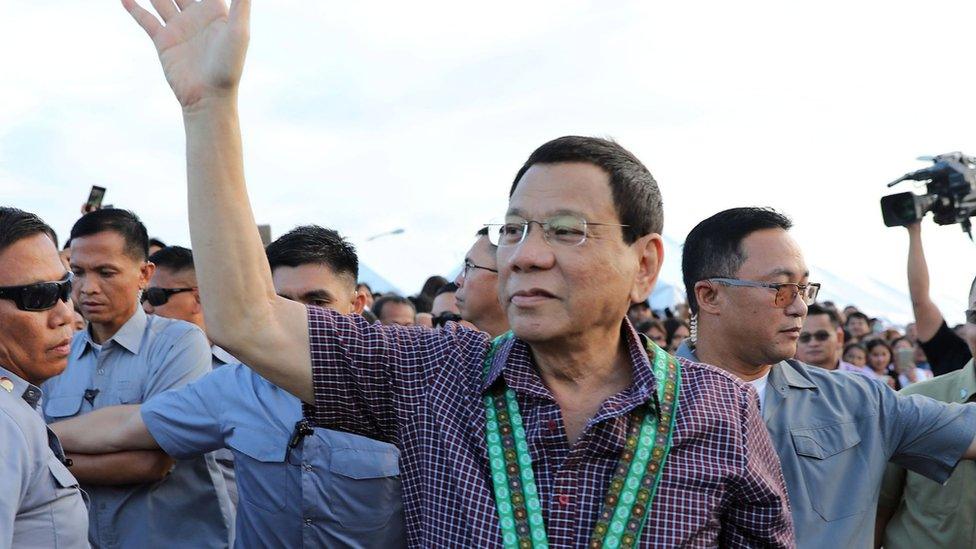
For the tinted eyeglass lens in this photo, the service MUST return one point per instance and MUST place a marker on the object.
(566, 229)
(785, 295)
(156, 296)
(39, 297)
(819, 335)
(443, 319)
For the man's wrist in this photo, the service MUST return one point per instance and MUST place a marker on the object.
(208, 107)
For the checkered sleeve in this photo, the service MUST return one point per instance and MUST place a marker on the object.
(758, 512)
(369, 379)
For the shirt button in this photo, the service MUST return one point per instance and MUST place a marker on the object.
(307, 466)
(308, 522)
(101, 371)
(564, 499)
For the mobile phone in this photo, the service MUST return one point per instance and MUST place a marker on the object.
(95, 198)
(904, 360)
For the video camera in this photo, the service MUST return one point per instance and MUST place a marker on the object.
(950, 194)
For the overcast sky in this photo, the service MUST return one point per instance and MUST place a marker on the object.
(368, 118)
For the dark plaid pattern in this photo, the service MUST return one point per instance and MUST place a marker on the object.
(423, 389)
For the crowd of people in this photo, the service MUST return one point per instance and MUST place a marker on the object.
(235, 394)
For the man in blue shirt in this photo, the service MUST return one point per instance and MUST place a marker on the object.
(138, 499)
(297, 486)
(40, 502)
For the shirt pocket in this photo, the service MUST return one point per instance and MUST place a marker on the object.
(62, 407)
(63, 479)
(365, 487)
(832, 465)
(260, 468)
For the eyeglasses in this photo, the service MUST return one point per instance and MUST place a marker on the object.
(468, 265)
(160, 296)
(40, 296)
(819, 335)
(786, 292)
(565, 230)
(444, 318)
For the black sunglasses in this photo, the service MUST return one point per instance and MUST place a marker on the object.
(159, 296)
(819, 335)
(444, 318)
(40, 296)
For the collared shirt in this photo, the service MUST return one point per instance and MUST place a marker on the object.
(40, 502)
(331, 490)
(225, 458)
(834, 432)
(422, 389)
(928, 514)
(148, 354)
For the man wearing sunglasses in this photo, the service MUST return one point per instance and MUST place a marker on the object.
(298, 486)
(138, 498)
(834, 432)
(477, 294)
(821, 342)
(41, 504)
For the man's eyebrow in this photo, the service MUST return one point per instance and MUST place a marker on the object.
(98, 267)
(552, 213)
(318, 293)
(785, 272)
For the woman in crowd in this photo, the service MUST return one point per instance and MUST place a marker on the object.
(654, 329)
(909, 372)
(856, 354)
(879, 359)
(677, 331)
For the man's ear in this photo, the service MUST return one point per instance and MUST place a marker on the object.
(650, 255)
(708, 296)
(840, 336)
(359, 301)
(145, 273)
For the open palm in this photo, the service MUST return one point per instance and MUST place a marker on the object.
(201, 44)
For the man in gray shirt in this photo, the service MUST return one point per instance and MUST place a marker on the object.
(40, 502)
(138, 498)
(834, 432)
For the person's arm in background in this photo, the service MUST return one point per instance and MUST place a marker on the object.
(946, 351)
(892, 485)
(202, 47)
(928, 318)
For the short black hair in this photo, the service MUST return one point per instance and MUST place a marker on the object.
(173, 258)
(448, 288)
(639, 305)
(433, 284)
(390, 298)
(123, 222)
(157, 242)
(857, 314)
(311, 244)
(818, 309)
(636, 196)
(482, 232)
(713, 248)
(16, 225)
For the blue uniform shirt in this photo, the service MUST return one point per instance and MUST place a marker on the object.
(40, 502)
(834, 433)
(331, 489)
(148, 355)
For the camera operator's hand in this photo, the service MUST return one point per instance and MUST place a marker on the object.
(201, 45)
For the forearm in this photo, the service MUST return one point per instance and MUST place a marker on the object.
(106, 430)
(971, 452)
(132, 467)
(881, 523)
(928, 318)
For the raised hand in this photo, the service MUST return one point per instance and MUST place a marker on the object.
(201, 45)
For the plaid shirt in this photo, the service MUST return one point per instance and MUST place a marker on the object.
(421, 389)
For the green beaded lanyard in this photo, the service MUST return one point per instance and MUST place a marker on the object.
(632, 486)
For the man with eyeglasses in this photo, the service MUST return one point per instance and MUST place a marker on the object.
(477, 294)
(138, 498)
(41, 504)
(834, 432)
(568, 433)
(821, 342)
(299, 486)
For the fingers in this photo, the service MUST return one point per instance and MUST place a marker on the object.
(146, 20)
(183, 4)
(166, 9)
(240, 12)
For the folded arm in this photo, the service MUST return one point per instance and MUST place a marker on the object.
(106, 430)
(132, 467)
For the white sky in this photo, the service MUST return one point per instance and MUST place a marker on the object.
(417, 115)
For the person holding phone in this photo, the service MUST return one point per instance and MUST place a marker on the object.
(904, 362)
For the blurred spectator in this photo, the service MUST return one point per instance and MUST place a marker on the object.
(639, 313)
(856, 354)
(821, 341)
(879, 360)
(655, 330)
(424, 300)
(424, 320)
(477, 295)
(445, 300)
(394, 309)
(858, 326)
(905, 365)
(367, 292)
(946, 350)
(155, 245)
(676, 331)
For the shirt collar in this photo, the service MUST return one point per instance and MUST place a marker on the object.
(129, 336)
(222, 356)
(28, 391)
(780, 375)
(512, 349)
